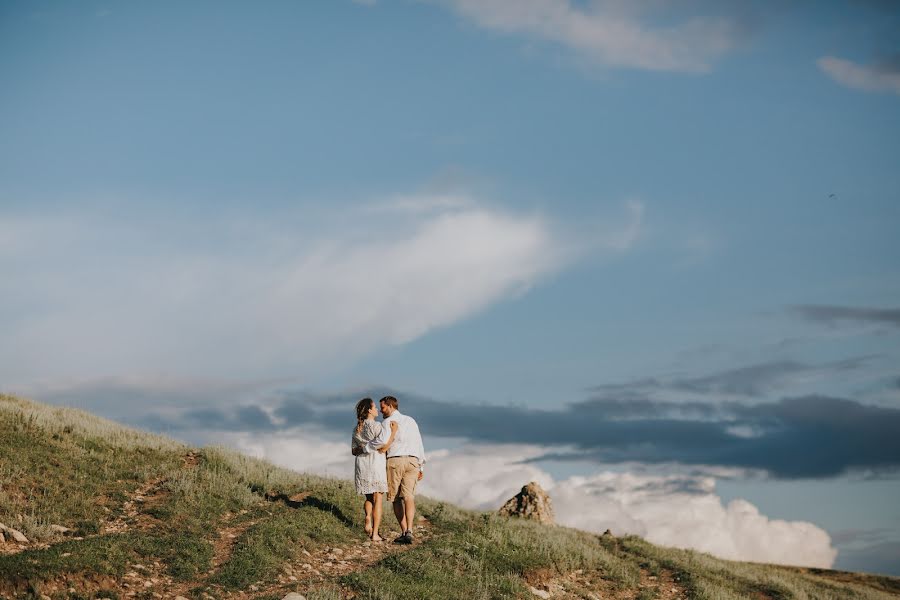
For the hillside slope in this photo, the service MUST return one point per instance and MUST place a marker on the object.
(148, 517)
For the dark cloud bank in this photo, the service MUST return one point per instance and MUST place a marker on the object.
(801, 437)
(727, 418)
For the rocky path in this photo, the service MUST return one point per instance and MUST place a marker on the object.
(590, 585)
(317, 569)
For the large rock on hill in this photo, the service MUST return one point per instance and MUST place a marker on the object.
(531, 503)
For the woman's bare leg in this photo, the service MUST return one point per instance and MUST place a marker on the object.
(367, 507)
(377, 509)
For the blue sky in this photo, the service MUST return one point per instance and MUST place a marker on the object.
(541, 206)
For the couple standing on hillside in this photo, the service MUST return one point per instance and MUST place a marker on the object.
(390, 459)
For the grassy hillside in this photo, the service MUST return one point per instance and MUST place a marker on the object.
(152, 518)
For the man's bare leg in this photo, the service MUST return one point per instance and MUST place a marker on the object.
(410, 516)
(400, 513)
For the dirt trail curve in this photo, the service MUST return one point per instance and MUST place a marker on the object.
(307, 570)
(149, 579)
(135, 510)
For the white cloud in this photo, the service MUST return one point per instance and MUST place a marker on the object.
(293, 295)
(484, 479)
(680, 510)
(126, 398)
(302, 449)
(861, 77)
(661, 510)
(608, 32)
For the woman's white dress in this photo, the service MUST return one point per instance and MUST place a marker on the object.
(370, 474)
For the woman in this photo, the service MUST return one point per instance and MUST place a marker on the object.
(370, 474)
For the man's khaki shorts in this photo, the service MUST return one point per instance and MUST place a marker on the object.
(402, 476)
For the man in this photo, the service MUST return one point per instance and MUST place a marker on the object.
(405, 465)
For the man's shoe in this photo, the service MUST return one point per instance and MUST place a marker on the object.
(404, 538)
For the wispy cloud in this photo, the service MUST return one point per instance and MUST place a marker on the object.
(750, 381)
(880, 77)
(268, 301)
(834, 315)
(610, 33)
(419, 204)
(98, 297)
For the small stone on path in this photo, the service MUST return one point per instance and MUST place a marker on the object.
(539, 593)
(294, 596)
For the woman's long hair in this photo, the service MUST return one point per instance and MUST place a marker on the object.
(362, 412)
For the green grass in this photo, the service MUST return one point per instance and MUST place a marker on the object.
(279, 536)
(709, 578)
(64, 474)
(486, 556)
(185, 556)
(66, 467)
(69, 468)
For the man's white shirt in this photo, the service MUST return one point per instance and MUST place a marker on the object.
(407, 442)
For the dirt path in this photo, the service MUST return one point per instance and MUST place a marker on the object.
(322, 567)
(308, 570)
(151, 493)
(133, 513)
(591, 585)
